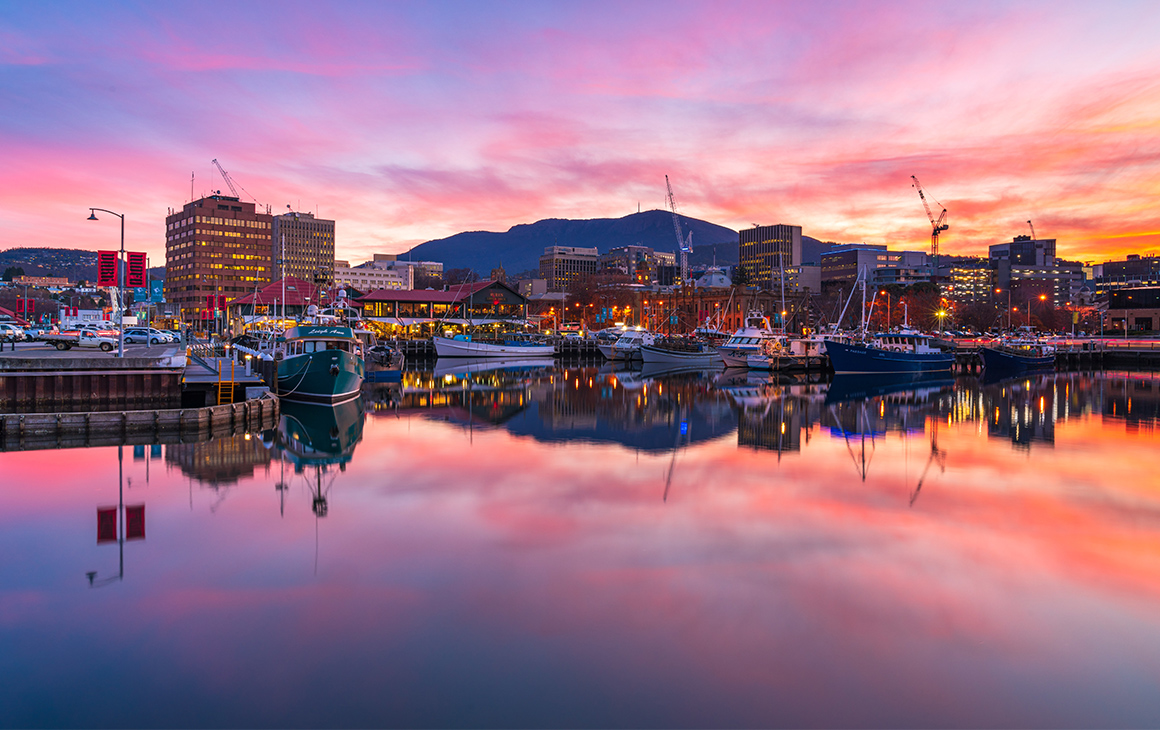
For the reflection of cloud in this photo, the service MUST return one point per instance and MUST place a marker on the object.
(530, 579)
(413, 123)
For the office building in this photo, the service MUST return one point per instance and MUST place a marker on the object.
(969, 280)
(562, 266)
(843, 264)
(372, 278)
(216, 246)
(1024, 251)
(766, 250)
(304, 246)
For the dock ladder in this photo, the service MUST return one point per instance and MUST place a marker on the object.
(225, 388)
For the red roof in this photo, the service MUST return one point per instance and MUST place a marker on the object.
(16, 318)
(299, 293)
(454, 293)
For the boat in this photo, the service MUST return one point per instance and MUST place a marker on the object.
(384, 364)
(514, 345)
(627, 346)
(892, 352)
(319, 363)
(754, 337)
(680, 351)
(1017, 356)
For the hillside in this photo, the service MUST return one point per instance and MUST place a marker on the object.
(519, 248)
(69, 262)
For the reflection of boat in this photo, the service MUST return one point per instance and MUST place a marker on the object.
(463, 366)
(1017, 357)
(660, 369)
(858, 387)
(320, 435)
(322, 363)
(510, 346)
(889, 353)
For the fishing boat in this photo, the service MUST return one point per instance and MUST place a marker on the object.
(513, 345)
(1016, 356)
(754, 337)
(680, 351)
(627, 346)
(889, 353)
(311, 362)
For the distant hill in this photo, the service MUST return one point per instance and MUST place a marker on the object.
(519, 248)
(72, 263)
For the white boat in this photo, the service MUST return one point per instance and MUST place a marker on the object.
(755, 337)
(627, 346)
(465, 346)
(676, 352)
(795, 353)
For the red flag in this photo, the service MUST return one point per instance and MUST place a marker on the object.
(106, 268)
(135, 270)
(106, 524)
(135, 522)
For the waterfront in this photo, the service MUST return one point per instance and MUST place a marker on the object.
(576, 546)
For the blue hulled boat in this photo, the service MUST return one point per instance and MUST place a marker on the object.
(889, 353)
(1014, 357)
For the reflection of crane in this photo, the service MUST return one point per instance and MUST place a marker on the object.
(683, 432)
(936, 226)
(937, 455)
(685, 245)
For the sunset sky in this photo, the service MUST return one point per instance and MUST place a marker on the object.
(407, 122)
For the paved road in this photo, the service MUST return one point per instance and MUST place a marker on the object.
(41, 349)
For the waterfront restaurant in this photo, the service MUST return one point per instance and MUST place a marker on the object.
(485, 306)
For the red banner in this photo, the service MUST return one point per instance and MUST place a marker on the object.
(106, 268)
(135, 274)
(25, 306)
(106, 524)
(222, 303)
(135, 522)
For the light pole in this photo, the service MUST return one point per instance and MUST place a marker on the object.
(1042, 298)
(120, 280)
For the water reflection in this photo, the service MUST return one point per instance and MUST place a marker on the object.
(609, 553)
(641, 409)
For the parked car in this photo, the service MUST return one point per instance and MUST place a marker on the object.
(140, 335)
(11, 333)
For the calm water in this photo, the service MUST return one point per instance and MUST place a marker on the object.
(550, 547)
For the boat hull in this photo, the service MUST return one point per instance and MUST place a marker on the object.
(612, 352)
(652, 354)
(994, 360)
(447, 347)
(327, 376)
(859, 359)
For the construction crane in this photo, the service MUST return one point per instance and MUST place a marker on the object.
(230, 182)
(936, 227)
(685, 245)
(1033, 238)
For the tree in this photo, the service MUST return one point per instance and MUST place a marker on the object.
(740, 276)
(12, 272)
(980, 316)
(460, 276)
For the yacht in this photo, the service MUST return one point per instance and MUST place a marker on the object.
(627, 346)
(755, 337)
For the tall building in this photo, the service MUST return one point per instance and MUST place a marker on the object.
(1024, 251)
(844, 263)
(214, 246)
(372, 278)
(766, 250)
(560, 266)
(306, 244)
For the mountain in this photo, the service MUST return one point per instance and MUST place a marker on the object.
(72, 263)
(519, 248)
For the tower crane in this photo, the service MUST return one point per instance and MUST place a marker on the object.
(230, 182)
(685, 245)
(1033, 238)
(936, 226)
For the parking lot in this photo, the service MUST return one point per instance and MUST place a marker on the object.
(44, 349)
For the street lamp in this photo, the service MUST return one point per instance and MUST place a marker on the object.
(941, 314)
(120, 280)
(1042, 298)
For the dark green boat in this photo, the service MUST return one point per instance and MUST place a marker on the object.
(317, 363)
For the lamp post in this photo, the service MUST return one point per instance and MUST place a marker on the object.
(1042, 298)
(887, 309)
(120, 280)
